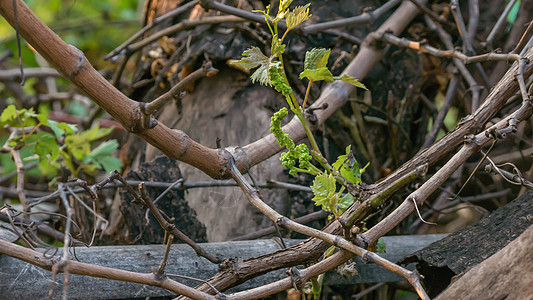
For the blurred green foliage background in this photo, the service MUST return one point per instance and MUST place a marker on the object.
(94, 26)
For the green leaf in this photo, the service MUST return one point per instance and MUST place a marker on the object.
(323, 188)
(95, 133)
(380, 246)
(315, 65)
(105, 148)
(69, 128)
(110, 163)
(345, 202)
(316, 58)
(282, 11)
(296, 17)
(349, 79)
(348, 167)
(277, 47)
(57, 131)
(253, 58)
(9, 113)
(261, 75)
(317, 74)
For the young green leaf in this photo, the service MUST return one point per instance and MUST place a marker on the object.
(17, 117)
(282, 11)
(348, 167)
(323, 188)
(105, 148)
(349, 79)
(253, 58)
(297, 16)
(316, 58)
(317, 74)
(110, 163)
(277, 47)
(9, 113)
(315, 65)
(344, 202)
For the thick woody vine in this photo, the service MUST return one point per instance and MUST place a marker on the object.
(349, 210)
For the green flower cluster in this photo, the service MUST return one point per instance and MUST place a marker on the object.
(300, 152)
(278, 81)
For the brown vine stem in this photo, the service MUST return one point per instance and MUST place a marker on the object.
(312, 271)
(171, 228)
(63, 265)
(366, 17)
(73, 65)
(41, 228)
(183, 25)
(138, 34)
(403, 42)
(472, 145)
(447, 41)
(71, 62)
(255, 199)
(433, 15)
(15, 154)
(206, 70)
(499, 24)
(28, 73)
(38, 259)
(467, 45)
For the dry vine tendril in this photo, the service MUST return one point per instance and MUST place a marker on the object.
(271, 71)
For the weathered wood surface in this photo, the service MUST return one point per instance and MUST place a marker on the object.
(21, 280)
(508, 274)
(471, 245)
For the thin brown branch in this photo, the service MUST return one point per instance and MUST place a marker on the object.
(41, 228)
(107, 184)
(366, 17)
(63, 264)
(171, 228)
(15, 154)
(447, 41)
(315, 216)
(161, 269)
(37, 259)
(206, 70)
(472, 145)
(473, 20)
(255, 199)
(467, 45)
(523, 39)
(403, 42)
(181, 9)
(433, 15)
(183, 25)
(14, 74)
(439, 120)
(499, 24)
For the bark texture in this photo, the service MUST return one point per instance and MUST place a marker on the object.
(466, 248)
(508, 274)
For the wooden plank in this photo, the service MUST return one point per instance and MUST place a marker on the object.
(21, 280)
